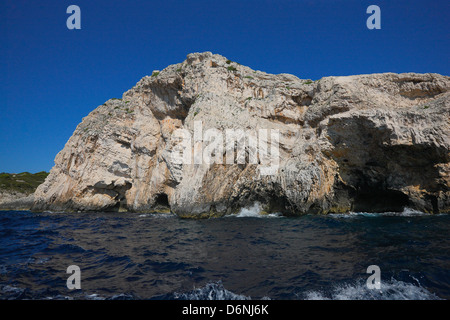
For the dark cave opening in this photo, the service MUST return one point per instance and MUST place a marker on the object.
(162, 201)
(380, 201)
(278, 203)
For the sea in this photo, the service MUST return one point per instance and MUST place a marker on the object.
(246, 256)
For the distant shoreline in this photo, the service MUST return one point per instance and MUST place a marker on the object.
(17, 189)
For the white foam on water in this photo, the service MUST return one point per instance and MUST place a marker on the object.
(94, 296)
(255, 211)
(353, 215)
(59, 297)
(407, 212)
(390, 290)
(157, 215)
(11, 290)
(211, 291)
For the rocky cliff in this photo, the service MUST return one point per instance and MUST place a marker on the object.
(376, 142)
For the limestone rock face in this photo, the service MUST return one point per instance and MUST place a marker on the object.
(13, 200)
(376, 142)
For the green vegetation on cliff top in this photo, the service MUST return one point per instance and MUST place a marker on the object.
(24, 182)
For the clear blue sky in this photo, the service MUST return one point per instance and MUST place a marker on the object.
(52, 77)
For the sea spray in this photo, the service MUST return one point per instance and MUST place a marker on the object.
(255, 211)
(390, 290)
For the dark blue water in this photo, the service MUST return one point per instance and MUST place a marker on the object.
(159, 256)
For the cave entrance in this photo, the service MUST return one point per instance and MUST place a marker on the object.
(276, 203)
(162, 202)
(380, 201)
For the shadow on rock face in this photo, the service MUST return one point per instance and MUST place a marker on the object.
(384, 172)
(380, 201)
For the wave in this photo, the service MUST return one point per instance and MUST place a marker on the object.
(390, 290)
(211, 291)
(407, 212)
(255, 211)
(9, 292)
(157, 215)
